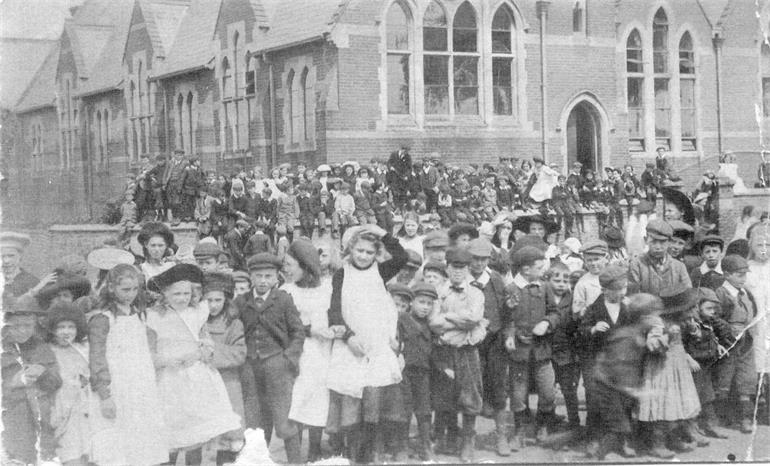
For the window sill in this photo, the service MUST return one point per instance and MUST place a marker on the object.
(296, 147)
(457, 120)
(401, 121)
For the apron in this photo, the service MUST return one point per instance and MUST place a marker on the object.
(137, 436)
(368, 310)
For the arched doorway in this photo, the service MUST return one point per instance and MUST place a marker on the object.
(584, 136)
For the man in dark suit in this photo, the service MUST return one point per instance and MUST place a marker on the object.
(172, 184)
(400, 175)
(233, 243)
(274, 337)
(429, 178)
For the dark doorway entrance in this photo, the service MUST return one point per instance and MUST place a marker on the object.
(584, 136)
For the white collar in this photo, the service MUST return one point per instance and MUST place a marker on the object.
(483, 279)
(263, 296)
(731, 290)
(522, 282)
(704, 268)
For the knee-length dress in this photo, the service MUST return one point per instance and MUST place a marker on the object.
(669, 392)
(310, 396)
(196, 406)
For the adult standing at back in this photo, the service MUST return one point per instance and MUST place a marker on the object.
(399, 175)
(656, 270)
(172, 184)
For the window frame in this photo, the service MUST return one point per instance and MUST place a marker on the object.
(661, 77)
(511, 56)
(636, 143)
(408, 52)
(689, 143)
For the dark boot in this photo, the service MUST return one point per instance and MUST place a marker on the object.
(542, 422)
(501, 433)
(337, 444)
(747, 416)
(659, 449)
(377, 448)
(624, 447)
(723, 412)
(607, 443)
(293, 453)
(314, 452)
(517, 439)
(426, 450)
(708, 421)
(691, 433)
(468, 437)
(401, 438)
(449, 444)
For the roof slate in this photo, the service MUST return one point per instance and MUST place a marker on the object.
(297, 21)
(20, 59)
(163, 18)
(192, 47)
(714, 9)
(40, 92)
(49, 18)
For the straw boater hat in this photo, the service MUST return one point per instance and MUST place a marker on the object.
(108, 258)
(18, 241)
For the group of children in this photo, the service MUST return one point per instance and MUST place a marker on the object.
(169, 361)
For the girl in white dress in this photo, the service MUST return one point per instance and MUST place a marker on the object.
(130, 430)
(410, 235)
(310, 397)
(156, 240)
(196, 406)
(756, 282)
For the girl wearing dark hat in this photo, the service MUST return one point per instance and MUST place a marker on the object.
(310, 397)
(227, 333)
(669, 400)
(157, 243)
(195, 405)
(72, 404)
(67, 288)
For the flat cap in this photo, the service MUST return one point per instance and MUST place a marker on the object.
(595, 246)
(206, 249)
(526, 256)
(734, 263)
(414, 258)
(613, 277)
(435, 239)
(264, 260)
(400, 289)
(424, 289)
(241, 276)
(480, 247)
(680, 228)
(11, 239)
(711, 240)
(458, 257)
(659, 229)
(435, 265)
(707, 294)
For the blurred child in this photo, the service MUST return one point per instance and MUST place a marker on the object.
(257, 242)
(363, 202)
(288, 209)
(307, 212)
(505, 195)
(344, 207)
(382, 211)
(444, 201)
(242, 283)
(565, 363)
(282, 243)
(402, 296)
(410, 234)
(127, 218)
(415, 337)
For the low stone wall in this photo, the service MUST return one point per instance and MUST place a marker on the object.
(731, 205)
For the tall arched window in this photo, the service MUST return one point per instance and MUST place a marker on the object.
(435, 33)
(578, 17)
(662, 78)
(190, 133)
(399, 41)
(227, 79)
(106, 132)
(236, 55)
(140, 89)
(306, 104)
(465, 69)
(180, 121)
(132, 96)
(687, 91)
(251, 76)
(98, 136)
(296, 102)
(503, 62)
(635, 90)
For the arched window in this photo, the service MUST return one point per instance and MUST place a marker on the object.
(399, 40)
(635, 90)
(296, 103)
(766, 80)
(190, 132)
(662, 79)
(251, 76)
(465, 70)
(180, 121)
(235, 64)
(687, 91)
(140, 88)
(98, 136)
(132, 96)
(307, 94)
(106, 133)
(503, 61)
(578, 17)
(435, 42)
(227, 79)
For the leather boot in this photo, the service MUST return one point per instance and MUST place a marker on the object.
(314, 452)
(607, 443)
(692, 434)
(624, 447)
(542, 421)
(501, 432)
(468, 437)
(293, 453)
(659, 449)
(708, 421)
(426, 450)
(401, 438)
(747, 416)
(517, 439)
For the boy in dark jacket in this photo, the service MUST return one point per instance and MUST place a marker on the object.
(705, 339)
(415, 337)
(528, 340)
(558, 299)
(306, 211)
(560, 197)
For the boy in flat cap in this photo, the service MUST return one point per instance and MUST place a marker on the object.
(528, 340)
(17, 280)
(415, 337)
(587, 289)
(492, 353)
(207, 256)
(456, 384)
(600, 319)
(656, 270)
(709, 273)
(274, 338)
(736, 371)
(233, 243)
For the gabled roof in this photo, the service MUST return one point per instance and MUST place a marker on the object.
(192, 48)
(163, 18)
(40, 92)
(108, 70)
(20, 59)
(297, 21)
(259, 13)
(714, 10)
(49, 16)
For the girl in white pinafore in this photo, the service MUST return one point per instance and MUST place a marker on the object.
(196, 406)
(310, 397)
(131, 430)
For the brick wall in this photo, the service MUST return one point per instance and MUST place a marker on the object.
(731, 205)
